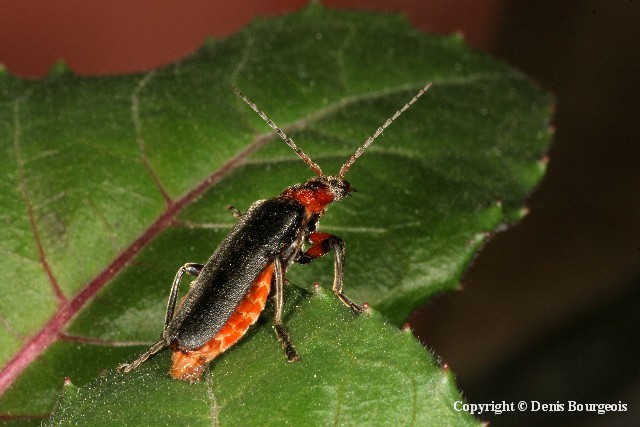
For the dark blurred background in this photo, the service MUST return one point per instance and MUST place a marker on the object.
(550, 309)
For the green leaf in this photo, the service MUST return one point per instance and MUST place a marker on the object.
(355, 370)
(111, 184)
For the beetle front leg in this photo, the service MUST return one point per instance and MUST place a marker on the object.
(323, 243)
(281, 332)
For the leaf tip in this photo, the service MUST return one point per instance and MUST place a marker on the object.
(524, 211)
(3, 70)
(209, 42)
(478, 239)
(318, 291)
(313, 6)
(68, 386)
(551, 129)
(59, 68)
(448, 376)
(544, 161)
(457, 37)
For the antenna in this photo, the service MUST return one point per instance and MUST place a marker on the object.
(314, 166)
(381, 129)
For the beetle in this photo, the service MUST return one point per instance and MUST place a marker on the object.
(231, 288)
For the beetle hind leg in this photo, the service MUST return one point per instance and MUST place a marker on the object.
(128, 367)
(282, 334)
(190, 268)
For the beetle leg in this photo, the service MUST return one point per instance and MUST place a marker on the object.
(128, 367)
(281, 332)
(321, 244)
(235, 212)
(190, 268)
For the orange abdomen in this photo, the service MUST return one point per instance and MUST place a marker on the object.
(189, 364)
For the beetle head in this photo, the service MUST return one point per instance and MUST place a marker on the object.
(318, 192)
(337, 187)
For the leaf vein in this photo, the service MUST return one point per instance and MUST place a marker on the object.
(203, 225)
(20, 161)
(214, 408)
(49, 332)
(99, 341)
(100, 215)
(243, 58)
(137, 126)
(340, 56)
